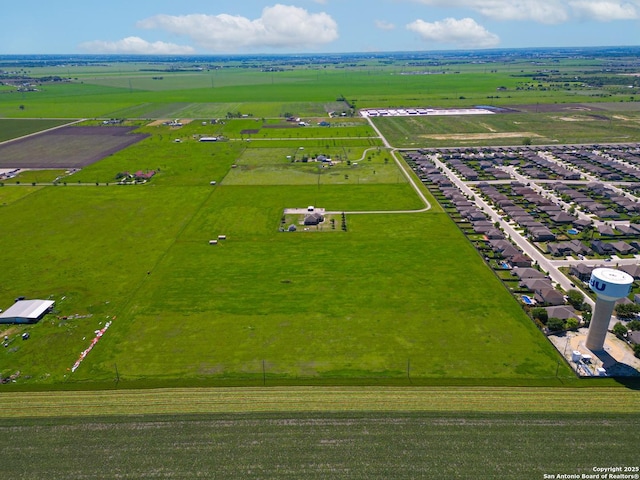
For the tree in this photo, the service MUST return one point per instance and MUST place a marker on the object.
(555, 324)
(586, 317)
(625, 311)
(576, 299)
(571, 323)
(634, 325)
(619, 330)
(636, 350)
(541, 314)
(21, 107)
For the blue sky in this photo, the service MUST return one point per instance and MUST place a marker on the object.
(301, 26)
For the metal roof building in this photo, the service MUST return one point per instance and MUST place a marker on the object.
(26, 311)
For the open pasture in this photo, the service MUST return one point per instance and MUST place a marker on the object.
(292, 166)
(310, 307)
(9, 194)
(70, 147)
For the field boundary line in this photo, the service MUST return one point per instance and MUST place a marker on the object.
(42, 131)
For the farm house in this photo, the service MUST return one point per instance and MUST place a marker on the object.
(313, 219)
(26, 311)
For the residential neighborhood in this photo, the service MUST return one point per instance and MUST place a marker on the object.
(543, 218)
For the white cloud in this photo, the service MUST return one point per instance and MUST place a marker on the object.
(464, 33)
(136, 45)
(280, 26)
(604, 11)
(543, 11)
(384, 25)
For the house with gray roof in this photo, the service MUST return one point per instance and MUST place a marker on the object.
(623, 248)
(549, 296)
(522, 273)
(563, 312)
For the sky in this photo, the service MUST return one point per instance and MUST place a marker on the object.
(176, 27)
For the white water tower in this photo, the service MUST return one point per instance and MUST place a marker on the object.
(609, 285)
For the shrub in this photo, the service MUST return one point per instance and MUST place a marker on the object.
(627, 310)
(571, 323)
(633, 325)
(555, 324)
(619, 330)
(540, 314)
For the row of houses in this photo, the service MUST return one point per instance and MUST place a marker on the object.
(604, 167)
(488, 168)
(537, 231)
(541, 168)
(589, 205)
(541, 285)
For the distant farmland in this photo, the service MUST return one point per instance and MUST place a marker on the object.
(14, 128)
(69, 147)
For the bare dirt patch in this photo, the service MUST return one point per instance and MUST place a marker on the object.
(69, 147)
(157, 123)
(575, 119)
(480, 136)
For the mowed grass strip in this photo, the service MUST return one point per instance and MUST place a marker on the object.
(319, 399)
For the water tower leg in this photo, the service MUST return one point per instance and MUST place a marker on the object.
(599, 324)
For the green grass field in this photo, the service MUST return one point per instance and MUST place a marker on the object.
(130, 90)
(293, 307)
(395, 297)
(320, 445)
(288, 299)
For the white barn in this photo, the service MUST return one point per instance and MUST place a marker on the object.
(26, 311)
